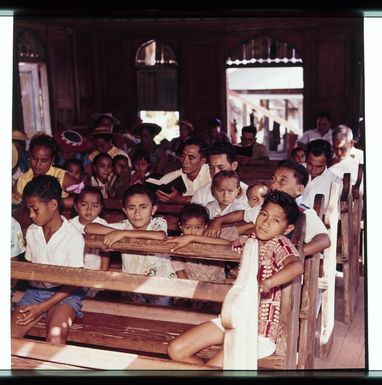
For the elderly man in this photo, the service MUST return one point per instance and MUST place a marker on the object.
(344, 160)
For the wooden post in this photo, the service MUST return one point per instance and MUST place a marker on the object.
(328, 279)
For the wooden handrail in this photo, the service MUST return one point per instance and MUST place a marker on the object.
(151, 246)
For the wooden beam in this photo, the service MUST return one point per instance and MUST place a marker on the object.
(182, 288)
(94, 358)
(155, 247)
(140, 310)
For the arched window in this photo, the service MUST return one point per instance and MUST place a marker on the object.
(31, 57)
(265, 89)
(157, 83)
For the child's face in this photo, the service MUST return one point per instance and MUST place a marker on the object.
(103, 168)
(271, 222)
(88, 207)
(299, 156)
(139, 209)
(75, 170)
(226, 190)
(141, 166)
(40, 211)
(121, 166)
(101, 144)
(256, 195)
(193, 226)
(284, 180)
(40, 159)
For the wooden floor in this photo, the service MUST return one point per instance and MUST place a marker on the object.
(348, 349)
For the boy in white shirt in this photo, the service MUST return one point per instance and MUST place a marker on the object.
(51, 240)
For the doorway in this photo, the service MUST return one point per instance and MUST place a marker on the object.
(34, 98)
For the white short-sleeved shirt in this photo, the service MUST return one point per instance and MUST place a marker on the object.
(151, 265)
(347, 165)
(92, 259)
(203, 178)
(214, 209)
(251, 213)
(314, 134)
(203, 195)
(319, 185)
(314, 224)
(64, 248)
(17, 238)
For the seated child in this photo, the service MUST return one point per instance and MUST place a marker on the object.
(75, 167)
(298, 154)
(52, 240)
(88, 204)
(17, 247)
(193, 220)
(121, 176)
(141, 166)
(138, 203)
(255, 197)
(225, 188)
(279, 263)
(102, 174)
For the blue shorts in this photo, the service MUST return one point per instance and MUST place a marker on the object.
(35, 296)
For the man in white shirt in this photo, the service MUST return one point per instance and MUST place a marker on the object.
(344, 160)
(222, 156)
(323, 130)
(194, 171)
(319, 155)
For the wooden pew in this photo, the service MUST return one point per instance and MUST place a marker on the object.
(357, 209)
(345, 256)
(309, 294)
(253, 173)
(328, 274)
(112, 331)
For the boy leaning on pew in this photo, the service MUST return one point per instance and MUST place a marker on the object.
(291, 178)
(279, 263)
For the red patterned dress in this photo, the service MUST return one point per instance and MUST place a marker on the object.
(272, 253)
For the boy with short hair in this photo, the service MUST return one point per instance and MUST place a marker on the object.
(279, 263)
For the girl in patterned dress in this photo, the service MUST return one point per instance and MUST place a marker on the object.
(279, 263)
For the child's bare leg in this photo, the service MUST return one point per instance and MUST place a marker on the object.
(184, 347)
(17, 330)
(105, 262)
(59, 320)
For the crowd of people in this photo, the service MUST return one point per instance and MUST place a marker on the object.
(78, 172)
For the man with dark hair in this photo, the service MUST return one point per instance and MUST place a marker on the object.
(323, 130)
(319, 155)
(194, 172)
(259, 151)
(222, 156)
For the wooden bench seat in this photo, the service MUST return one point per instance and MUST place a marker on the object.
(124, 333)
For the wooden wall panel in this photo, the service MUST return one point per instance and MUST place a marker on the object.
(84, 79)
(62, 77)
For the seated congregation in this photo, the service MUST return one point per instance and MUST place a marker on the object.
(177, 250)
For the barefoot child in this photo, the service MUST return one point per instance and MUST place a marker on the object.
(51, 239)
(279, 263)
(139, 206)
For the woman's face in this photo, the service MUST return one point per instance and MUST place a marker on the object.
(41, 159)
